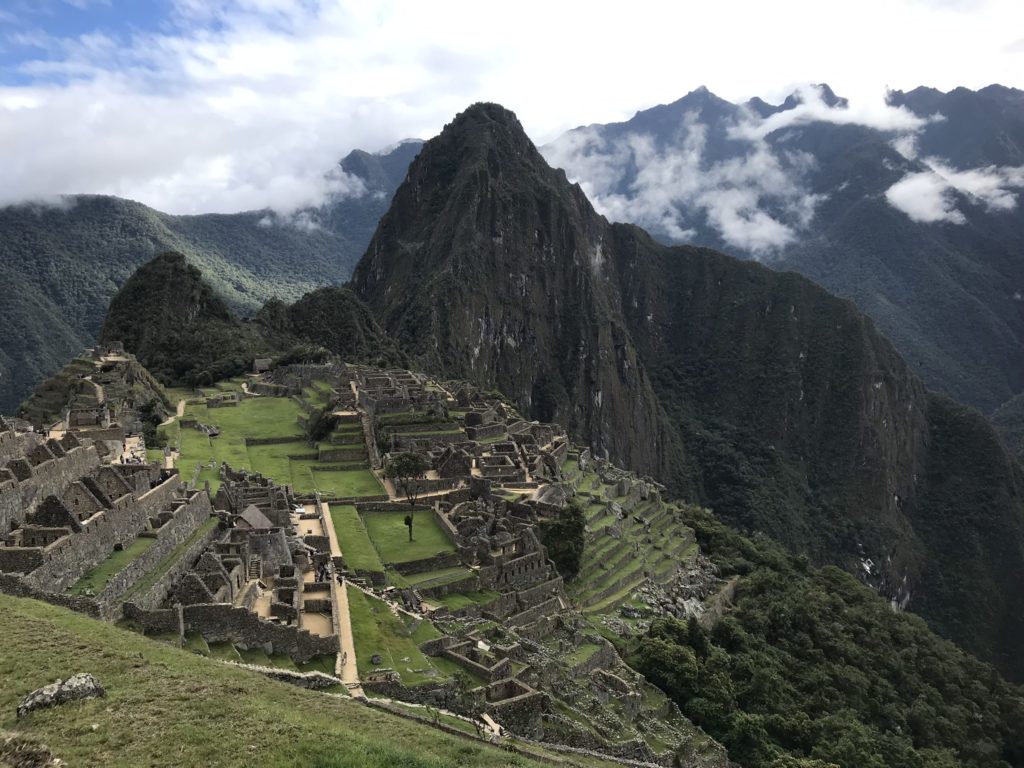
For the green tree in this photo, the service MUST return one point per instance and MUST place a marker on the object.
(564, 537)
(406, 470)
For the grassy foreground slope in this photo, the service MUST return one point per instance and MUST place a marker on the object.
(165, 706)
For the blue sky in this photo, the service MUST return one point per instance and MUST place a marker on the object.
(226, 105)
(33, 30)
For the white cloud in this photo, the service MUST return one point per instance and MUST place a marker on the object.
(673, 184)
(925, 197)
(930, 196)
(284, 88)
(872, 113)
(906, 145)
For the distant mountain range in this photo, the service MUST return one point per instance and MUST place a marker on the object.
(60, 264)
(909, 211)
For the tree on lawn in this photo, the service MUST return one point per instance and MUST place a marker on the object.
(405, 470)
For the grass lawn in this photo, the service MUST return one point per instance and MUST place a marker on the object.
(391, 538)
(260, 417)
(169, 707)
(98, 578)
(378, 631)
(355, 545)
(455, 602)
(272, 460)
(347, 483)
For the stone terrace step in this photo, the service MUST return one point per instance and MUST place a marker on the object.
(616, 597)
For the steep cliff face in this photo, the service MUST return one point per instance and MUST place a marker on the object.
(798, 419)
(754, 392)
(490, 266)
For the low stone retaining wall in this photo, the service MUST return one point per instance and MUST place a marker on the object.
(436, 563)
(17, 587)
(460, 587)
(603, 658)
(222, 622)
(312, 680)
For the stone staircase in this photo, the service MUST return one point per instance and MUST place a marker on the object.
(255, 567)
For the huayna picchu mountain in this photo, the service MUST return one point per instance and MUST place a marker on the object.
(754, 392)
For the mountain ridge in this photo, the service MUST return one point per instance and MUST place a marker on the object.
(814, 192)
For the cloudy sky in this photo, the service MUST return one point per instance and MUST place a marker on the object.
(227, 105)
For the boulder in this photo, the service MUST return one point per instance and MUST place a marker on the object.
(80, 686)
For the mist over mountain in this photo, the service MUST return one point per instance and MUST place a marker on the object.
(908, 209)
(753, 391)
(62, 262)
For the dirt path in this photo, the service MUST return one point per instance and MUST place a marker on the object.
(345, 666)
(180, 411)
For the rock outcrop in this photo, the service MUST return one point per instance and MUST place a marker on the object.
(80, 686)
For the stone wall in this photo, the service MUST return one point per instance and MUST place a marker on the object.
(153, 597)
(437, 562)
(603, 658)
(221, 622)
(18, 587)
(530, 615)
(15, 444)
(50, 478)
(161, 621)
(68, 559)
(187, 518)
(469, 584)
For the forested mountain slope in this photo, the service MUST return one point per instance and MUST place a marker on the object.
(61, 264)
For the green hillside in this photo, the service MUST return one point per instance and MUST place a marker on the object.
(169, 707)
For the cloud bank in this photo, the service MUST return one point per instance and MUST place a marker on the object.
(758, 200)
(677, 184)
(224, 105)
(931, 195)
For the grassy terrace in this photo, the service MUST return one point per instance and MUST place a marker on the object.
(168, 707)
(430, 578)
(455, 602)
(391, 538)
(343, 483)
(355, 545)
(293, 461)
(97, 579)
(378, 631)
(151, 578)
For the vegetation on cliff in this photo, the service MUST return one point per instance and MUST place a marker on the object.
(186, 334)
(811, 665)
(178, 327)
